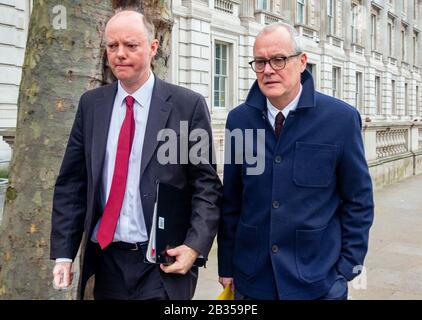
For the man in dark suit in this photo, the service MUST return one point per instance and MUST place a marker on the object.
(105, 192)
(298, 229)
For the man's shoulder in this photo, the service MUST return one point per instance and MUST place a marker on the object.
(238, 114)
(334, 105)
(239, 110)
(178, 92)
(99, 91)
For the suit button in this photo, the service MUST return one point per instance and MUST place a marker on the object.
(276, 204)
(278, 159)
(274, 248)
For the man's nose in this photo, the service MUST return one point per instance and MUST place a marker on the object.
(268, 69)
(121, 52)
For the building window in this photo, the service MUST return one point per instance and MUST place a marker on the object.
(330, 15)
(393, 97)
(390, 39)
(301, 11)
(359, 91)
(312, 69)
(373, 32)
(355, 14)
(415, 9)
(406, 100)
(418, 108)
(221, 75)
(263, 4)
(336, 82)
(415, 49)
(378, 94)
(403, 45)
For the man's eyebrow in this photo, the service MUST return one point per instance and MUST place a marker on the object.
(279, 55)
(131, 40)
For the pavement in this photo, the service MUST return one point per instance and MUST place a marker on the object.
(393, 265)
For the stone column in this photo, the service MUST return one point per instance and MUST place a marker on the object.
(397, 26)
(369, 104)
(323, 21)
(367, 35)
(419, 23)
(382, 34)
(247, 10)
(347, 22)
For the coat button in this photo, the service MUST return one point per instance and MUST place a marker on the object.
(274, 248)
(278, 159)
(276, 204)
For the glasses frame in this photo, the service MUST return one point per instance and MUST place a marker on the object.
(251, 63)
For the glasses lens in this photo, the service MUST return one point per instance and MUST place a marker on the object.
(278, 63)
(259, 65)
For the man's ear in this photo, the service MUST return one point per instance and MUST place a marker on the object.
(303, 61)
(154, 47)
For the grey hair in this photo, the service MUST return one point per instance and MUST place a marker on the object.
(294, 35)
(149, 26)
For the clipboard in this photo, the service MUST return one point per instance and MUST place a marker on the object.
(170, 223)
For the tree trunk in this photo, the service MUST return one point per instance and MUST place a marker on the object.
(63, 59)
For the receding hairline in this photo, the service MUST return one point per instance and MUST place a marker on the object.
(291, 32)
(147, 25)
(125, 13)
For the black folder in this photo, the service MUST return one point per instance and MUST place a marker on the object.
(171, 221)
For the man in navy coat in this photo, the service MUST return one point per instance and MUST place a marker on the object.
(299, 229)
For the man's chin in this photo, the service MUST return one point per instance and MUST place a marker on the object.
(273, 93)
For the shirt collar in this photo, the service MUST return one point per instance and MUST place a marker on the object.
(290, 107)
(141, 96)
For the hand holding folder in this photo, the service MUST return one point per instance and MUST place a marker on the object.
(170, 224)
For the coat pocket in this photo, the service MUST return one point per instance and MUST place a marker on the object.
(246, 249)
(310, 260)
(314, 164)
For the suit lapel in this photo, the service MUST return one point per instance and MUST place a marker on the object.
(159, 112)
(102, 116)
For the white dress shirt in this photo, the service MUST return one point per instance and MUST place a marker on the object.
(272, 111)
(131, 224)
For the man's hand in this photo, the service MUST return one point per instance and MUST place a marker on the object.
(185, 257)
(226, 281)
(62, 275)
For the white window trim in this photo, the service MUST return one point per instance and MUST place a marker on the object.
(232, 68)
(361, 98)
(339, 83)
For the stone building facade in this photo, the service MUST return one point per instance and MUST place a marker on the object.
(364, 52)
(14, 19)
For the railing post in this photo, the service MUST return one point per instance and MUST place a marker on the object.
(414, 138)
(369, 136)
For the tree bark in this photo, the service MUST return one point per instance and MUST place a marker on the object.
(60, 64)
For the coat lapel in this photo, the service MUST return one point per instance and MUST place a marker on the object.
(159, 112)
(101, 122)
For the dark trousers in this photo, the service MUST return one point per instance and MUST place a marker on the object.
(338, 291)
(122, 274)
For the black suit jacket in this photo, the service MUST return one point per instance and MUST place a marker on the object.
(76, 206)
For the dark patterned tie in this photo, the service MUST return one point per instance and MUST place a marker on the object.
(279, 120)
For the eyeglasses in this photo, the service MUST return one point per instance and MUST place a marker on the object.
(277, 63)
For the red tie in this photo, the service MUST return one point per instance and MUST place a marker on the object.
(113, 206)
